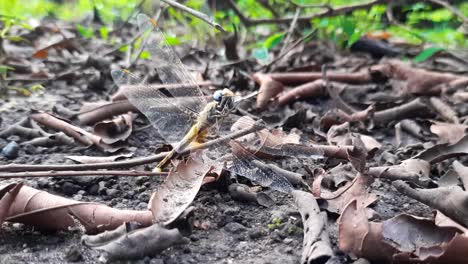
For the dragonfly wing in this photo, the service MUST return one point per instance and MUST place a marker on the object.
(168, 65)
(245, 165)
(164, 113)
(266, 177)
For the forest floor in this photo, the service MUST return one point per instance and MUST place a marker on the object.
(223, 228)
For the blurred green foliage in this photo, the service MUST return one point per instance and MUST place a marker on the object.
(423, 22)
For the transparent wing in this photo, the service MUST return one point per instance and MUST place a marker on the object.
(166, 114)
(247, 166)
(244, 165)
(168, 65)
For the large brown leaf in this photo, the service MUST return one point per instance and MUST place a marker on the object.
(445, 151)
(124, 243)
(178, 190)
(401, 239)
(354, 190)
(7, 196)
(37, 208)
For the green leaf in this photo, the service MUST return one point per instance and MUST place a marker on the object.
(16, 38)
(145, 55)
(21, 90)
(273, 40)
(104, 32)
(353, 38)
(427, 53)
(6, 27)
(261, 54)
(124, 48)
(172, 41)
(4, 69)
(348, 26)
(86, 32)
(36, 88)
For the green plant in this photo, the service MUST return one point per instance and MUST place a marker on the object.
(26, 91)
(275, 224)
(7, 23)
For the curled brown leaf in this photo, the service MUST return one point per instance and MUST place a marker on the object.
(316, 246)
(418, 81)
(84, 137)
(445, 151)
(311, 89)
(117, 129)
(401, 239)
(37, 208)
(269, 89)
(452, 201)
(122, 243)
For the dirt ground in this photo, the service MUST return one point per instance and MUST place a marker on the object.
(223, 230)
(234, 231)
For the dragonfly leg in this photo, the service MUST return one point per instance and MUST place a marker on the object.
(164, 161)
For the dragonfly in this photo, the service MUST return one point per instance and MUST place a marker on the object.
(183, 116)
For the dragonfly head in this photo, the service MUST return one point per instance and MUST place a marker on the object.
(225, 99)
(220, 94)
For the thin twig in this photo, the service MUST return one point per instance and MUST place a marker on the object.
(326, 6)
(195, 13)
(290, 30)
(111, 173)
(143, 46)
(293, 46)
(126, 163)
(128, 43)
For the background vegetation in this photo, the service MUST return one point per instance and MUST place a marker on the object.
(421, 21)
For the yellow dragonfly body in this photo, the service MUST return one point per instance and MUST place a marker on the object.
(213, 113)
(185, 124)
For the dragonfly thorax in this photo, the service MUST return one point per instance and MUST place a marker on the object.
(224, 100)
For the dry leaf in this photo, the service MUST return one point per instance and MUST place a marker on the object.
(122, 243)
(452, 201)
(178, 190)
(444, 151)
(462, 172)
(269, 89)
(117, 129)
(81, 135)
(449, 133)
(355, 190)
(316, 244)
(401, 239)
(37, 208)
(7, 196)
(94, 159)
(311, 89)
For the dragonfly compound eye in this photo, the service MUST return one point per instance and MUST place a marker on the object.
(218, 96)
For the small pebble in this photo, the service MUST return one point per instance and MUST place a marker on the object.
(256, 233)
(234, 227)
(69, 188)
(140, 180)
(143, 197)
(11, 150)
(113, 193)
(102, 187)
(232, 210)
(142, 206)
